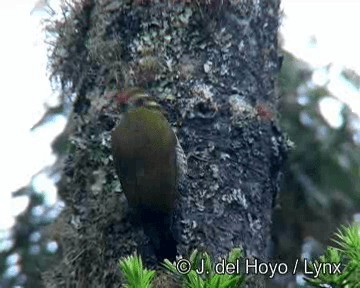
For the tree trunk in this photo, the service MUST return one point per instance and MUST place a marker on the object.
(213, 66)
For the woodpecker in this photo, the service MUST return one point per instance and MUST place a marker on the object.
(150, 163)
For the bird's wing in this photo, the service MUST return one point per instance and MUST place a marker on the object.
(181, 161)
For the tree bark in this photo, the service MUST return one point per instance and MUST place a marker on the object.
(213, 66)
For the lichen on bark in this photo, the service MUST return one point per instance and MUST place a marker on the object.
(211, 64)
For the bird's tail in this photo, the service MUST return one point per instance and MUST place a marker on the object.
(157, 226)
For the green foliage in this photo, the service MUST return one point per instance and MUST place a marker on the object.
(347, 254)
(24, 249)
(333, 149)
(321, 188)
(135, 274)
(209, 279)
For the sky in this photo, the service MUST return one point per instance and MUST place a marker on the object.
(25, 88)
(319, 32)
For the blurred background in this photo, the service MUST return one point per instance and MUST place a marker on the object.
(319, 89)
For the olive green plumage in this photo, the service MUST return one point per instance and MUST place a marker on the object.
(145, 160)
(149, 162)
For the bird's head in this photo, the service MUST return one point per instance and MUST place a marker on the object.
(134, 98)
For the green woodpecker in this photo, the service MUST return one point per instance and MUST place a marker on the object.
(150, 163)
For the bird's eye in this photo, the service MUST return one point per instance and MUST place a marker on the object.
(139, 102)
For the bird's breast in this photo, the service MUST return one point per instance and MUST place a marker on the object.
(144, 154)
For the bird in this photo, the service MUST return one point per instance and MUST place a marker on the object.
(150, 163)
